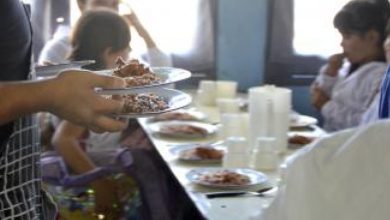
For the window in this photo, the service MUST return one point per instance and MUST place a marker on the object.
(185, 29)
(301, 36)
(316, 36)
(171, 23)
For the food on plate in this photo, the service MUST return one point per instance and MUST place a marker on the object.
(183, 116)
(135, 73)
(300, 140)
(224, 177)
(185, 130)
(202, 153)
(144, 102)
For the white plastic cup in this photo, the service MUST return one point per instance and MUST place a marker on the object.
(266, 154)
(226, 89)
(207, 85)
(226, 105)
(206, 94)
(236, 160)
(237, 145)
(234, 125)
(237, 155)
(204, 98)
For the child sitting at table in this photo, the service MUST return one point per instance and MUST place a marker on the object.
(344, 89)
(59, 47)
(77, 145)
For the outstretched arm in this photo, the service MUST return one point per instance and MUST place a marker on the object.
(70, 96)
(154, 56)
(66, 140)
(133, 20)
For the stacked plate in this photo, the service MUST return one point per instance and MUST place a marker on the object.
(53, 70)
(167, 75)
(174, 99)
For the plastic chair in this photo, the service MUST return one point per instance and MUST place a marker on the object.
(55, 171)
(72, 191)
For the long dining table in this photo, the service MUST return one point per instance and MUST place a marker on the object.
(235, 207)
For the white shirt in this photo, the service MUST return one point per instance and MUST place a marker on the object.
(102, 141)
(59, 47)
(344, 176)
(372, 113)
(350, 96)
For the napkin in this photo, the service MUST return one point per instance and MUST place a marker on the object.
(343, 176)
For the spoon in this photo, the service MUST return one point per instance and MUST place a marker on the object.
(264, 192)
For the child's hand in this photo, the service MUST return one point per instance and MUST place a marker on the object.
(334, 64)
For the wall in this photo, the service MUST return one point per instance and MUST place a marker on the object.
(301, 102)
(241, 41)
(241, 38)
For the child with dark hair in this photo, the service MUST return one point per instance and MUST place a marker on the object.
(103, 35)
(100, 35)
(346, 86)
(57, 50)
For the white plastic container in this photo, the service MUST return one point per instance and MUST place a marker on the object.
(207, 92)
(269, 114)
(266, 155)
(237, 155)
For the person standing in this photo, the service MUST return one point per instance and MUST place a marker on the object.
(20, 182)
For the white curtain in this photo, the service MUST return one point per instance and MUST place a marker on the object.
(185, 29)
(44, 19)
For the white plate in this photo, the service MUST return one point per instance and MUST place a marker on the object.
(52, 70)
(179, 150)
(196, 116)
(167, 74)
(157, 127)
(255, 177)
(302, 121)
(175, 98)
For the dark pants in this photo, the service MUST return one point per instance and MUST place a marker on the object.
(162, 196)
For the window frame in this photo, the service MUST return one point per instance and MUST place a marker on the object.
(283, 66)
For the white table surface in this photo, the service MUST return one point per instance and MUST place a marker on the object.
(217, 208)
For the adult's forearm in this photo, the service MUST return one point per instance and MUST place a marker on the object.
(22, 98)
(143, 33)
(70, 95)
(149, 40)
